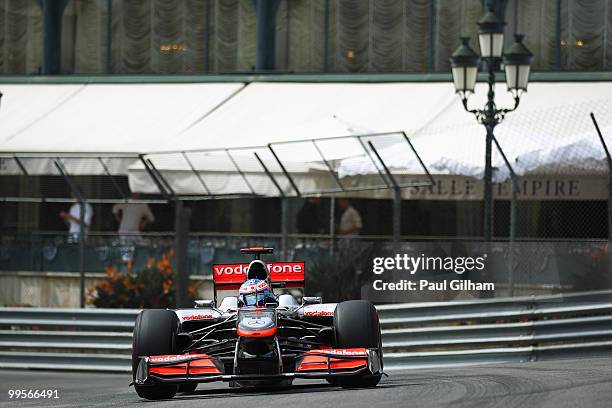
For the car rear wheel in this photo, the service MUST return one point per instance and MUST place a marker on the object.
(356, 324)
(154, 334)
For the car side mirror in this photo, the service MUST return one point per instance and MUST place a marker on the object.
(205, 303)
(312, 300)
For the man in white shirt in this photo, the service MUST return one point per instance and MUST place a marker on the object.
(350, 220)
(132, 217)
(73, 219)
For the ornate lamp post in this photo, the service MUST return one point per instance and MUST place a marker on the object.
(465, 63)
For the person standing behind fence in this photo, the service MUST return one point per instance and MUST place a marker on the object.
(133, 217)
(72, 218)
(350, 220)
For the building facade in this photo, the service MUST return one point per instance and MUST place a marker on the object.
(343, 36)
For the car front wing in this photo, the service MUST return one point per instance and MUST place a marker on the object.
(202, 368)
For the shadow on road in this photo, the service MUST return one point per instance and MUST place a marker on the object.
(250, 392)
(291, 390)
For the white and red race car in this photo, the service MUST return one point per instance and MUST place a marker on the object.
(174, 350)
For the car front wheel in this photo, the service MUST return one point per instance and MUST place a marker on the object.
(356, 324)
(154, 334)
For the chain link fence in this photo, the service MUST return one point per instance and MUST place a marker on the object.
(562, 195)
(562, 177)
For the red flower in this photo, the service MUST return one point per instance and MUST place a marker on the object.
(166, 286)
(150, 262)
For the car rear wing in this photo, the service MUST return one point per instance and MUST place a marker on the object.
(282, 274)
(257, 251)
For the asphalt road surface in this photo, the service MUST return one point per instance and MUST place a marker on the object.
(564, 383)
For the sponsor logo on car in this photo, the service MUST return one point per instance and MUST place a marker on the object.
(324, 310)
(198, 317)
(288, 272)
(176, 358)
(319, 313)
(163, 359)
(275, 267)
(344, 352)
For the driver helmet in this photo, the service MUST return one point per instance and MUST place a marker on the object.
(254, 292)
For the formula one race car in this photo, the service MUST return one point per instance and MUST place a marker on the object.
(256, 338)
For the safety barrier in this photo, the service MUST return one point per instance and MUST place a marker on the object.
(497, 330)
(414, 335)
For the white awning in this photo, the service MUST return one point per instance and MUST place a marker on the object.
(97, 129)
(97, 118)
(273, 112)
(550, 130)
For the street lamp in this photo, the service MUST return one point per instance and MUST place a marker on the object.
(465, 62)
(491, 35)
(517, 64)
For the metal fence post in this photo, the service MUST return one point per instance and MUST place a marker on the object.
(397, 214)
(513, 203)
(512, 238)
(397, 195)
(609, 161)
(82, 233)
(332, 223)
(284, 227)
(181, 224)
(76, 191)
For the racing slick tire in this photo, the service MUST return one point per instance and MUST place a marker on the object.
(154, 334)
(356, 325)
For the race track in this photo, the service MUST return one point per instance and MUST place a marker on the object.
(564, 383)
